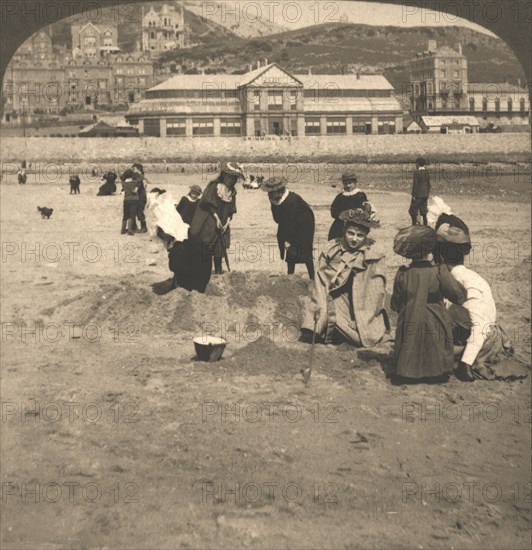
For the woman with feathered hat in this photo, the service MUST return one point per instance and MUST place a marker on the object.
(295, 219)
(210, 234)
(349, 293)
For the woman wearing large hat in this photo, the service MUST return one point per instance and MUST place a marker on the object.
(295, 219)
(210, 234)
(350, 287)
(482, 348)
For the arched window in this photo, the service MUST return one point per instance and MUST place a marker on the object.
(510, 105)
(498, 107)
(522, 106)
(485, 105)
(472, 104)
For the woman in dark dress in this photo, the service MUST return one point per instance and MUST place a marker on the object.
(209, 234)
(295, 234)
(423, 339)
(109, 187)
(350, 198)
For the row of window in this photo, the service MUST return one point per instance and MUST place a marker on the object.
(233, 127)
(339, 126)
(509, 104)
(167, 22)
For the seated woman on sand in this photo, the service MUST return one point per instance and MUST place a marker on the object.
(481, 346)
(349, 291)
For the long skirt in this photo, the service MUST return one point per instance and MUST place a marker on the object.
(496, 359)
(191, 264)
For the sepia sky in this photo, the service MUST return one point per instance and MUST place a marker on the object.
(296, 14)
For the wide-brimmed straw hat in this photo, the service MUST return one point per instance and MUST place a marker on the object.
(359, 216)
(451, 229)
(273, 184)
(415, 241)
(448, 234)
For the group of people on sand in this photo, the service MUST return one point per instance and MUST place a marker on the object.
(446, 312)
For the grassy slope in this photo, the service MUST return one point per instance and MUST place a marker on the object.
(328, 48)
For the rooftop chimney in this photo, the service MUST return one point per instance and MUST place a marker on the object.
(250, 68)
(258, 64)
(309, 70)
(358, 76)
(265, 61)
(459, 47)
(432, 46)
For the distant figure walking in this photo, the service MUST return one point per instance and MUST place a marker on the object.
(75, 182)
(420, 192)
(21, 175)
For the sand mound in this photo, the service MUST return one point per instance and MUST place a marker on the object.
(231, 302)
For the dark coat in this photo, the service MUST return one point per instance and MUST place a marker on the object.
(109, 187)
(421, 184)
(203, 225)
(187, 208)
(340, 203)
(424, 339)
(129, 173)
(191, 266)
(74, 181)
(296, 226)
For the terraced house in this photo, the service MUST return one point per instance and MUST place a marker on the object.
(268, 101)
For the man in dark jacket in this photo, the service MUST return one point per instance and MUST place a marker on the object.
(420, 192)
(295, 234)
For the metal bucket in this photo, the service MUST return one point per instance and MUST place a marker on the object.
(209, 348)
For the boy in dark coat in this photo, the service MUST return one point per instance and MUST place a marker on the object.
(423, 339)
(351, 198)
(295, 234)
(420, 192)
(188, 204)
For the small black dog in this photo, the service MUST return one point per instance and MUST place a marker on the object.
(45, 212)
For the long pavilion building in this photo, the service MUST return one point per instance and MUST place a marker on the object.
(268, 101)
